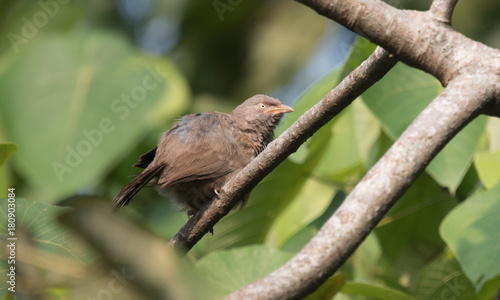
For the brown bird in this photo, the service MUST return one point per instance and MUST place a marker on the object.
(195, 158)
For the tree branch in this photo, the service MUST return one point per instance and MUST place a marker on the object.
(369, 72)
(370, 200)
(414, 37)
(442, 10)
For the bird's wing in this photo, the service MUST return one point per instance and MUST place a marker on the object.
(201, 146)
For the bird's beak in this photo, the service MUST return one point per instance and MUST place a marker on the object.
(282, 109)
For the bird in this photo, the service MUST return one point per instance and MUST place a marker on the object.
(200, 153)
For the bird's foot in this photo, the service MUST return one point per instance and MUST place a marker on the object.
(217, 191)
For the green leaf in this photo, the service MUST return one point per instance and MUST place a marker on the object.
(40, 220)
(399, 97)
(415, 217)
(296, 242)
(76, 103)
(6, 151)
(493, 130)
(351, 139)
(364, 260)
(230, 270)
(471, 232)
(443, 278)
(449, 167)
(360, 51)
(374, 291)
(308, 204)
(328, 289)
(54, 243)
(488, 166)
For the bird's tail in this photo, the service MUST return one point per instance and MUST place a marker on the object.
(133, 187)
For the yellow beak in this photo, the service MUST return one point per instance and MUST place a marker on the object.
(282, 109)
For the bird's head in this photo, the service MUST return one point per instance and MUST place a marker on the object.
(261, 109)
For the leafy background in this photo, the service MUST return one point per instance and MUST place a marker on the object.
(89, 87)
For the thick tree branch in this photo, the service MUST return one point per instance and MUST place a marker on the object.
(369, 72)
(375, 193)
(415, 37)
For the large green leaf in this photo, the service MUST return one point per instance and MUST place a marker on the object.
(329, 288)
(364, 260)
(493, 130)
(54, 244)
(374, 291)
(451, 164)
(415, 217)
(472, 233)
(488, 166)
(443, 279)
(229, 270)
(399, 97)
(75, 104)
(345, 156)
(305, 206)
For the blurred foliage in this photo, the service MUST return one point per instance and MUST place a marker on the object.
(87, 86)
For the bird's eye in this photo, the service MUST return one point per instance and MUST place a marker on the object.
(262, 106)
